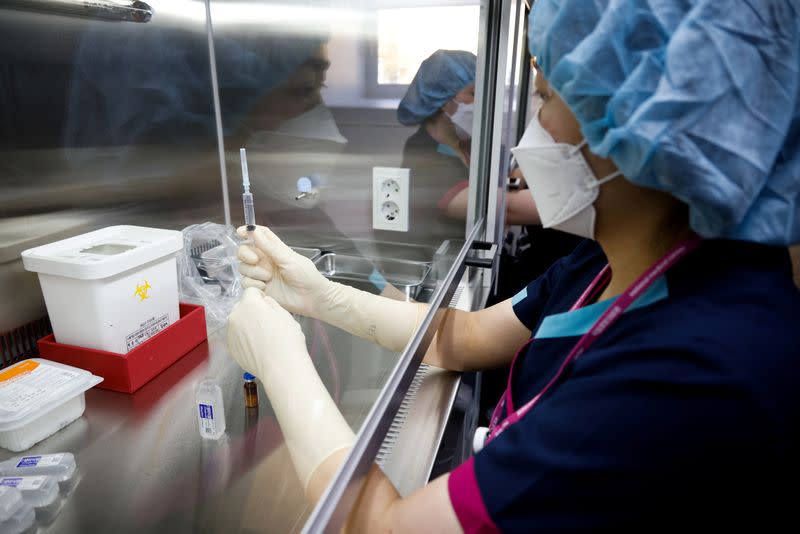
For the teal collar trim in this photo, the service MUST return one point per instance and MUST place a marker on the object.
(447, 150)
(519, 297)
(578, 322)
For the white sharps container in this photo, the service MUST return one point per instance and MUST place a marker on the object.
(110, 289)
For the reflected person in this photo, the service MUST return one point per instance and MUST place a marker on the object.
(289, 133)
(439, 101)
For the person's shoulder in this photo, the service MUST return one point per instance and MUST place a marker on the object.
(731, 317)
(744, 290)
(420, 140)
(580, 265)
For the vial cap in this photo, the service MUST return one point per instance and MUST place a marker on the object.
(248, 376)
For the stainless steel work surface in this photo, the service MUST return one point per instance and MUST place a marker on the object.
(143, 466)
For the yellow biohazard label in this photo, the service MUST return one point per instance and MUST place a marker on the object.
(142, 290)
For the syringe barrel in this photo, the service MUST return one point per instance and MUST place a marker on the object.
(249, 209)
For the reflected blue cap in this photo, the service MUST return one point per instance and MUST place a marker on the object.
(438, 79)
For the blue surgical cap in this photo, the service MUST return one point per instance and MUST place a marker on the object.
(699, 98)
(439, 78)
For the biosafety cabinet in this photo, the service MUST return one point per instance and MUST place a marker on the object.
(134, 112)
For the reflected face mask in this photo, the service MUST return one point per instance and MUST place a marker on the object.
(462, 118)
(563, 185)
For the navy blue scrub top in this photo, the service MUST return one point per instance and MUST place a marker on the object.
(683, 414)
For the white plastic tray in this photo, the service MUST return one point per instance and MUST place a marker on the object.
(37, 398)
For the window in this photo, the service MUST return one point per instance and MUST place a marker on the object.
(406, 36)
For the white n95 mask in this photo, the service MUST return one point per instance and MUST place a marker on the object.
(462, 118)
(560, 180)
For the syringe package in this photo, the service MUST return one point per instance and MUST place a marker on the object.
(61, 466)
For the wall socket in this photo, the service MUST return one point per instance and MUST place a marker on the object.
(390, 192)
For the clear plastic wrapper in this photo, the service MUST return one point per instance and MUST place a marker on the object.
(10, 503)
(21, 522)
(61, 466)
(208, 271)
(38, 491)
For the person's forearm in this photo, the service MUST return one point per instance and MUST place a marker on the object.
(312, 426)
(387, 322)
(454, 347)
(473, 341)
(464, 341)
(456, 208)
(380, 507)
(521, 209)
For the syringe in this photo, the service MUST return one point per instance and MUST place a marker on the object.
(247, 196)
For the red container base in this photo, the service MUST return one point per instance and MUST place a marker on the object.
(129, 372)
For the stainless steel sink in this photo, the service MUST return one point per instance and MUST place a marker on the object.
(368, 273)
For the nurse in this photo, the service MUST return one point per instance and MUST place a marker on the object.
(654, 381)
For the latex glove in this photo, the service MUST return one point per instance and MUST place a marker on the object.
(267, 342)
(294, 281)
(280, 272)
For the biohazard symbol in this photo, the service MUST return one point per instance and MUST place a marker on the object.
(142, 289)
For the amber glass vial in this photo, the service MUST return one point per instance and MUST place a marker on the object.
(250, 391)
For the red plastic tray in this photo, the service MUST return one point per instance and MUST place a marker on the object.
(128, 372)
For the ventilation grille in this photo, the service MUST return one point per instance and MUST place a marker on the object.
(390, 440)
(457, 296)
(20, 343)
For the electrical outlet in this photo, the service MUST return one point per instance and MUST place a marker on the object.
(390, 194)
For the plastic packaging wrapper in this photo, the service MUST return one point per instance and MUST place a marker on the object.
(208, 272)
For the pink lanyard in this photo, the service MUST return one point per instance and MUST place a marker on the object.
(609, 317)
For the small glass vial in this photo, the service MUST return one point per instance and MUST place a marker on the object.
(250, 391)
(210, 410)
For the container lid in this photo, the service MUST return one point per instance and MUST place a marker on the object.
(103, 253)
(32, 388)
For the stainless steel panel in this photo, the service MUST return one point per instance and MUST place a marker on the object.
(105, 118)
(358, 271)
(310, 253)
(134, 11)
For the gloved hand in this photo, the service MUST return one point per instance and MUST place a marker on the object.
(283, 274)
(293, 281)
(261, 334)
(267, 342)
